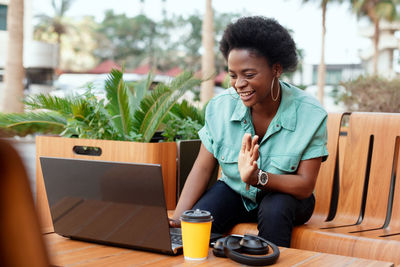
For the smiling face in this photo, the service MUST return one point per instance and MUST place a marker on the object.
(251, 76)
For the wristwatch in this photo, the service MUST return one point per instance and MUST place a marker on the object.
(262, 178)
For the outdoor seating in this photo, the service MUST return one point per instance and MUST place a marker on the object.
(366, 221)
(358, 198)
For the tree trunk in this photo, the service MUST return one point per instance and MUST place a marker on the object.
(322, 67)
(376, 46)
(207, 59)
(14, 70)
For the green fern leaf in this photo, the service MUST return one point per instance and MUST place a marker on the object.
(9, 120)
(54, 103)
(124, 108)
(111, 86)
(119, 102)
(185, 110)
(156, 106)
(139, 90)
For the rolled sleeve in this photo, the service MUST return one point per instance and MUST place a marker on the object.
(317, 146)
(206, 138)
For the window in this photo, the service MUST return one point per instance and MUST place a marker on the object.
(3, 17)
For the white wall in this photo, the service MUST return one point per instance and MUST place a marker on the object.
(36, 54)
(3, 48)
(40, 55)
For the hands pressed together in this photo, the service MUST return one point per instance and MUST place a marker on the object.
(247, 162)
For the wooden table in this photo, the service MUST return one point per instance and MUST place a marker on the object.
(66, 252)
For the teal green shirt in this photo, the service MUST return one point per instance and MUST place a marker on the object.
(296, 133)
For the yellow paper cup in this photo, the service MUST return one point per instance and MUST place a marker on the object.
(196, 230)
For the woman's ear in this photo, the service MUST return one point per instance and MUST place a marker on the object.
(277, 70)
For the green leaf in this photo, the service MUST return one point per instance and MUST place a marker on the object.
(156, 106)
(32, 122)
(139, 90)
(119, 105)
(124, 107)
(186, 110)
(54, 103)
(111, 86)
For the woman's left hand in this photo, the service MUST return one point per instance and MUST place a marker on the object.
(247, 162)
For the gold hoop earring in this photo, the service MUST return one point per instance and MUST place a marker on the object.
(272, 90)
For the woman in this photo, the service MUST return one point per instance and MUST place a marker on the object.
(268, 136)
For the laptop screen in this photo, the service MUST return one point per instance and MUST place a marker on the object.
(108, 202)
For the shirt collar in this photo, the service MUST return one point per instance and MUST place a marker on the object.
(286, 114)
(240, 109)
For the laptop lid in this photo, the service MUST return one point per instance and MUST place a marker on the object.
(113, 203)
(187, 154)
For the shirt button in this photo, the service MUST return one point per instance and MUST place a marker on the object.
(244, 121)
(292, 168)
(277, 126)
(222, 157)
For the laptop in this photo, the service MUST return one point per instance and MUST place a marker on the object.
(113, 203)
(187, 152)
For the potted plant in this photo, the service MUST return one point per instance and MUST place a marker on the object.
(117, 128)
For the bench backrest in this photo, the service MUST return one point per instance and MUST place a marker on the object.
(394, 220)
(367, 169)
(324, 184)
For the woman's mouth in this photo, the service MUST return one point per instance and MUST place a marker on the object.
(245, 96)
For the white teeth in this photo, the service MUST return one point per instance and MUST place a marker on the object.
(246, 93)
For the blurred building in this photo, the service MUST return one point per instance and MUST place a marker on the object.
(40, 59)
(389, 43)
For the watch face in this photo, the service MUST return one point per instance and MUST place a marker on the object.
(263, 178)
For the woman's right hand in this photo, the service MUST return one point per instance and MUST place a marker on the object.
(247, 161)
(174, 223)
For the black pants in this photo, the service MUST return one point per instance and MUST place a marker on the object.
(276, 214)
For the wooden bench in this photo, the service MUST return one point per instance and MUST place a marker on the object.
(367, 218)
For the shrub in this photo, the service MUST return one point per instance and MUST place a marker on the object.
(371, 94)
(128, 113)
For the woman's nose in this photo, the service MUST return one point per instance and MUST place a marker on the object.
(240, 82)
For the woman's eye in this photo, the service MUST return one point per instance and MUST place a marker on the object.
(250, 75)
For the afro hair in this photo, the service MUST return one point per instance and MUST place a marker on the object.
(263, 36)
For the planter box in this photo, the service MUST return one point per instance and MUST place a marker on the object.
(164, 154)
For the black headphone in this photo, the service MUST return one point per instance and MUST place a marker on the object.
(234, 245)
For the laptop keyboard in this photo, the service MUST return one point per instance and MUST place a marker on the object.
(176, 239)
(176, 236)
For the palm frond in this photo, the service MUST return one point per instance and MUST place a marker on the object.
(184, 81)
(54, 103)
(111, 86)
(185, 110)
(155, 107)
(32, 122)
(120, 98)
(124, 107)
(139, 90)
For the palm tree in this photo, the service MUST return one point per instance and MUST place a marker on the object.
(207, 59)
(376, 10)
(321, 66)
(14, 69)
(57, 24)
